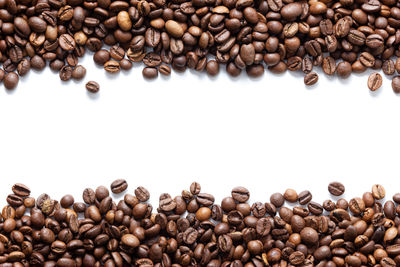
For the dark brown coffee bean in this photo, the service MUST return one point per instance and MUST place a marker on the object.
(305, 197)
(336, 188)
(119, 186)
(65, 73)
(142, 194)
(240, 194)
(79, 72)
(10, 80)
(396, 84)
(67, 42)
(150, 73)
(15, 200)
(92, 87)
(388, 67)
(329, 65)
(374, 81)
(311, 78)
(21, 190)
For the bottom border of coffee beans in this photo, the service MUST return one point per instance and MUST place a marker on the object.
(191, 229)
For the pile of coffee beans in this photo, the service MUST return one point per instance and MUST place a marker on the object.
(191, 229)
(340, 36)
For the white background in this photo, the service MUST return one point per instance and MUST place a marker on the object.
(266, 134)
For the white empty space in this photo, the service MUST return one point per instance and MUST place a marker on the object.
(265, 134)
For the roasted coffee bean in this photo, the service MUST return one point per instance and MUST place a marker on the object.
(240, 232)
(164, 70)
(92, 87)
(290, 195)
(21, 190)
(329, 65)
(378, 192)
(336, 188)
(311, 78)
(65, 73)
(305, 197)
(79, 72)
(111, 66)
(10, 80)
(142, 194)
(240, 194)
(150, 73)
(374, 81)
(396, 84)
(119, 186)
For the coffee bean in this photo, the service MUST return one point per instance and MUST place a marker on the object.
(125, 64)
(336, 188)
(388, 67)
(14, 200)
(344, 69)
(67, 201)
(290, 195)
(142, 194)
(150, 73)
(119, 186)
(374, 81)
(21, 190)
(378, 192)
(65, 73)
(92, 87)
(66, 42)
(10, 80)
(111, 66)
(329, 65)
(396, 84)
(164, 70)
(79, 72)
(311, 78)
(305, 197)
(240, 194)
(212, 68)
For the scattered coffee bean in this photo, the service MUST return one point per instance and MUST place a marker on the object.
(150, 73)
(396, 84)
(374, 81)
(119, 186)
(311, 78)
(92, 87)
(336, 188)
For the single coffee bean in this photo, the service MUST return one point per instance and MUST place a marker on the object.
(378, 192)
(374, 81)
(290, 195)
(92, 87)
(112, 66)
(67, 201)
(142, 194)
(240, 194)
(119, 186)
(388, 67)
(305, 197)
(396, 84)
(329, 65)
(311, 78)
(344, 69)
(150, 73)
(336, 188)
(65, 73)
(10, 80)
(79, 72)
(21, 190)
